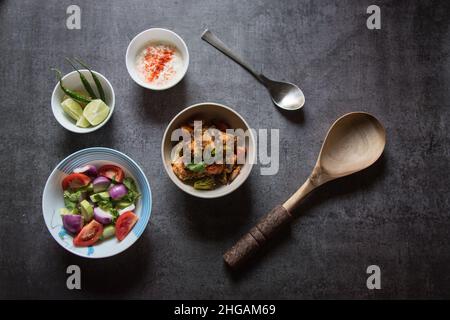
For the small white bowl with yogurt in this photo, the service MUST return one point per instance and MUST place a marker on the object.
(157, 59)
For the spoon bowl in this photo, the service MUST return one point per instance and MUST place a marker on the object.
(354, 142)
(285, 95)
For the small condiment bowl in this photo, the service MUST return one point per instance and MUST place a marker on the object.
(155, 35)
(208, 111)
(72, 81)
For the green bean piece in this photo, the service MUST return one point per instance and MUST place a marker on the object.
(85, 82)
(71, 93)
(96, 80)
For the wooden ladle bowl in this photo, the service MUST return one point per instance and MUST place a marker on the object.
(354, 142)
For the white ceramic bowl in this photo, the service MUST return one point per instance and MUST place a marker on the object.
(208, 111)
(53, 201)
(156, 35)
(72, 81)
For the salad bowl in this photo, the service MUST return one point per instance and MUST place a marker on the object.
(53, 201)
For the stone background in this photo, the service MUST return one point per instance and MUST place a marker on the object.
(395, 214)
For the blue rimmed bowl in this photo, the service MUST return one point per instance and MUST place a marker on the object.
(53, 201)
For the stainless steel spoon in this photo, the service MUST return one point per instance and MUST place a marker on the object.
(284, 94)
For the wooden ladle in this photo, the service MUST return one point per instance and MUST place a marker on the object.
(354, 142)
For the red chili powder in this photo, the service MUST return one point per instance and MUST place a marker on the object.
(155, 60)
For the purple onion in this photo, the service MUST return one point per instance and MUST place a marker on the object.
(88, 169)
(118, 191)
(100, 184)
(72, 222)
(102, 216)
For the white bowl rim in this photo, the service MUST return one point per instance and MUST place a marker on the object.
(149, 86)
(73, 126)
(147, 185)
(206, 194)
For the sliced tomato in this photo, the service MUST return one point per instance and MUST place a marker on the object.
(89, 234)
(124, 224)
(112, 172)
(75, 181)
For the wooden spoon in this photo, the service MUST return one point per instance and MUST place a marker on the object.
(354, 142)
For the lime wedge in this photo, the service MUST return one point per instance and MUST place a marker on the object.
(82, 122)
(96, 112)
(72, 108)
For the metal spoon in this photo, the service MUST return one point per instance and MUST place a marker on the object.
(284, 94)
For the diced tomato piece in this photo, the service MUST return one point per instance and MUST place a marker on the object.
(124, 224)
(89, 234)
(75, 181)
(111, 172)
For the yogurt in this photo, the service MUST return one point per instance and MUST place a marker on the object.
(159, 64)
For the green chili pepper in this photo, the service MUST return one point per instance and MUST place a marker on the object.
(71, 93)
(96, 80)
(85, 82)
(204, 184)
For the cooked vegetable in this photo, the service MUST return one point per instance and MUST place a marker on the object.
(88, 169)
(196, 167)
(118, 191)
(217, 145)
(235, 173)
(73, 94)
(72, 222)
(205, 184)
(124, 224)
(96, 80)
(100, 184)
(111, 172)
(75, 181)
(108, 232)
(86, 210)
(83, 79)
(102, 216)
(89, 234)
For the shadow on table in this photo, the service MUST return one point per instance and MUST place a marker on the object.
(294, 116)
(217, 219)
(360, 181)
(69, 142)
(162, 106)
(116, 276)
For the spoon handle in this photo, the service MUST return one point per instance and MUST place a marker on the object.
(212, 39)
(267, 228)
(248, 246)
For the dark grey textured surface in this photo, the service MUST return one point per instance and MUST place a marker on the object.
(395, 215)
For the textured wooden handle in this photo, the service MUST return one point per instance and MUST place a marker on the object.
(251, 242)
